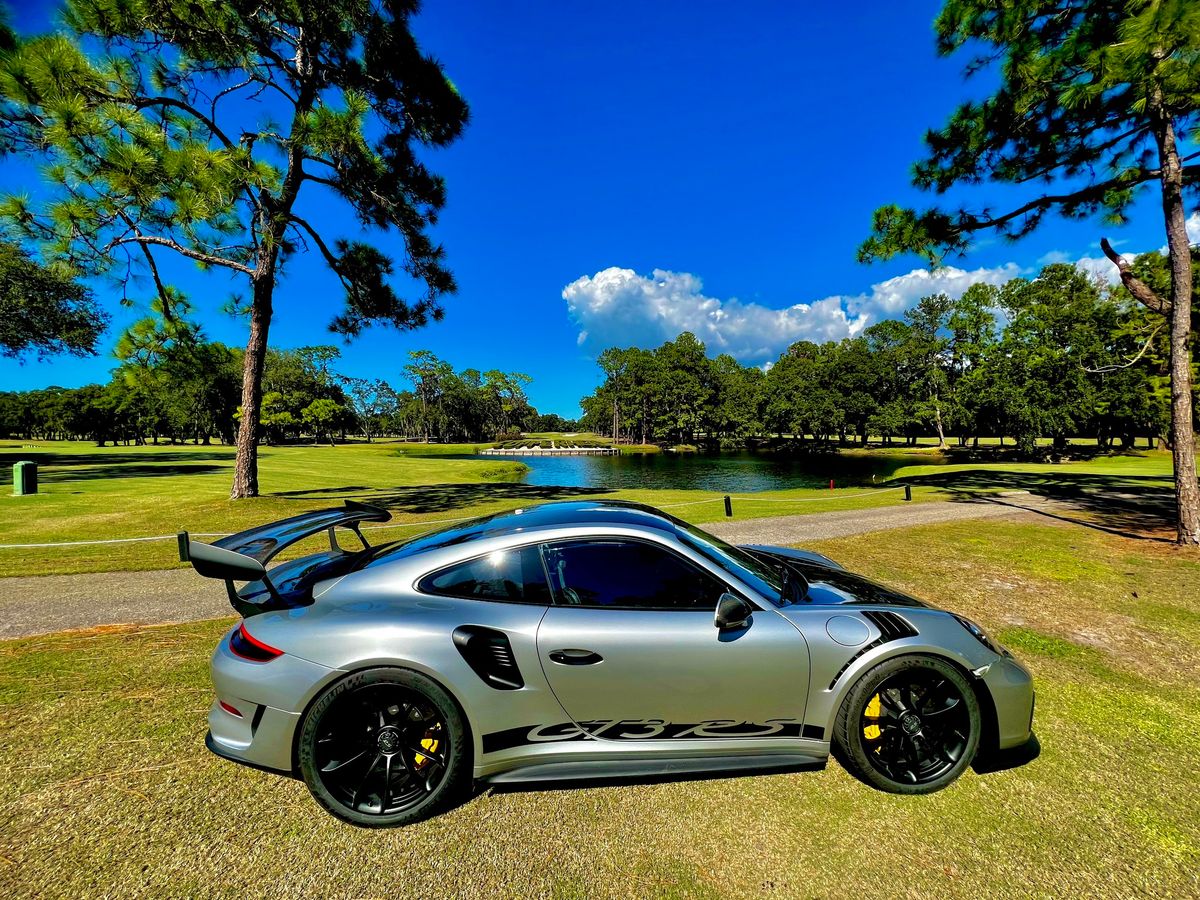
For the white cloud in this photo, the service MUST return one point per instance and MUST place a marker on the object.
(1102, 267)
(618, 307)
(1054, 256)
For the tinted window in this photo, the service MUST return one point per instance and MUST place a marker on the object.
(627, 575)
(734, 560)
(515, 576)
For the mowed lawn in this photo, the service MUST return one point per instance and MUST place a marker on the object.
(112, 493)
(109, 790)
(90, 493)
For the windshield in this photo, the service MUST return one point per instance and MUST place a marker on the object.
(765, 579)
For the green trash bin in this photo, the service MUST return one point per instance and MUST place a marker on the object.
(24, 478)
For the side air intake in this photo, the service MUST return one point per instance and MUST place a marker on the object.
(489, 654)
(891, 628)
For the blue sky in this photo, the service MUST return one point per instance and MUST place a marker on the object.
(633, 169)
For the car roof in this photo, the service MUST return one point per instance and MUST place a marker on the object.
(544, 516)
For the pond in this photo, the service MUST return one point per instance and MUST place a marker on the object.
(731, 472)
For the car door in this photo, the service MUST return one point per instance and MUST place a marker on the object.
(631, 650)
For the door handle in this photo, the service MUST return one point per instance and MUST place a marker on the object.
(575, 657)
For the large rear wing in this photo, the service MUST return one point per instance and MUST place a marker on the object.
(244, 556)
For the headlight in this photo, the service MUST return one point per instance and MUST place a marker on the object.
(978, 633)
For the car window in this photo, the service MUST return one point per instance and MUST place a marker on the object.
(514, 576)
(737, 562)
(627, 575)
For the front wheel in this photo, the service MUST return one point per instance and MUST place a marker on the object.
(385, 747)
(911, 725)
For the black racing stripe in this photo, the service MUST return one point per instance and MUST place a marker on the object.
(531, 734)
(633, 730)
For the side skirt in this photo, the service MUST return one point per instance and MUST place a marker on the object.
(582, 773)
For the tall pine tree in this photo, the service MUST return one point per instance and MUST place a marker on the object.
(200, 127)
(1095, 100)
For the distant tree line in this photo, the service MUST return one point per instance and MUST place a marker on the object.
(174, 386)
(1055, 356)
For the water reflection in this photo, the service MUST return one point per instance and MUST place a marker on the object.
(732, 472)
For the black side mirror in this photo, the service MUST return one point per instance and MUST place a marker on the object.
(732, 612)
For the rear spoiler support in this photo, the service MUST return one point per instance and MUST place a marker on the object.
(244, 556)
(216, 562)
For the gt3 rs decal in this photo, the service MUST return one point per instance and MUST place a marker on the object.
(647, 730)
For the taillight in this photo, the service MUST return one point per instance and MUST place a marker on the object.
(245, 645)
(232, 710)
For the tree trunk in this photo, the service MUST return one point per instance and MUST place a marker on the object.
(937, 418)
(245, 467)
(1183, 450)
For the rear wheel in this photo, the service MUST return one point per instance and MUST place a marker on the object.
(911, 725)
(385, 747)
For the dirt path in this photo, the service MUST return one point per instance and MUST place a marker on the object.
(47, 603)
(817, 526)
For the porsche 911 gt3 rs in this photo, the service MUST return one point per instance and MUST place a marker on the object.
(581, 641)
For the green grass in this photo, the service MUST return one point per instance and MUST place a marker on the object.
(108, 790)
(1139, 465)
(91, 493)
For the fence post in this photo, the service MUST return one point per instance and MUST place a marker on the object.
(728, 507)
(908, 492)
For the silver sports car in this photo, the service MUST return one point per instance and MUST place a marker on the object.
(584, 640)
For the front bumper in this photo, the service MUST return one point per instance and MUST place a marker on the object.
(269, 699)
(1011, 689)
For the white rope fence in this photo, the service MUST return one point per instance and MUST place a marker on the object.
(214, 534)
(210, 534)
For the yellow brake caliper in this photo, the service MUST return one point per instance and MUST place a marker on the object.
(427, 743)
(873, 711)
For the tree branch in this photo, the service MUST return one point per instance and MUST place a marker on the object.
(328, 182)
(143, 102)
(1141, 291)
(330, 257)
(168, 313)
(1084, 195)
(1101, 370)
(206, 258)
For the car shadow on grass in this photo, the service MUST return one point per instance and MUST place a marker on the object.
(445, 497)
(1133, 506)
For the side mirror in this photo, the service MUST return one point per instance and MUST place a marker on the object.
(732, 613)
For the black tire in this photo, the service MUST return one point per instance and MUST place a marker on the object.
(910, 725)
(385, 747)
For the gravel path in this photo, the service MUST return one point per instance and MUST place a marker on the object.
(47, 603)
(44, 603)
(816, 526)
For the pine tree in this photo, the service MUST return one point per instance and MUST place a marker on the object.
(1094, 101)
(199, 129)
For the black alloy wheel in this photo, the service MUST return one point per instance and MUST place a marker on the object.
(384, 747)
(910, 725)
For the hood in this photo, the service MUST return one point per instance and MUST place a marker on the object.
(831, 585)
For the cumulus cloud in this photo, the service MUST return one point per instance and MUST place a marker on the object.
(619, 307)
(1101, 267)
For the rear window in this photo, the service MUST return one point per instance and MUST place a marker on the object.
(510, 576)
